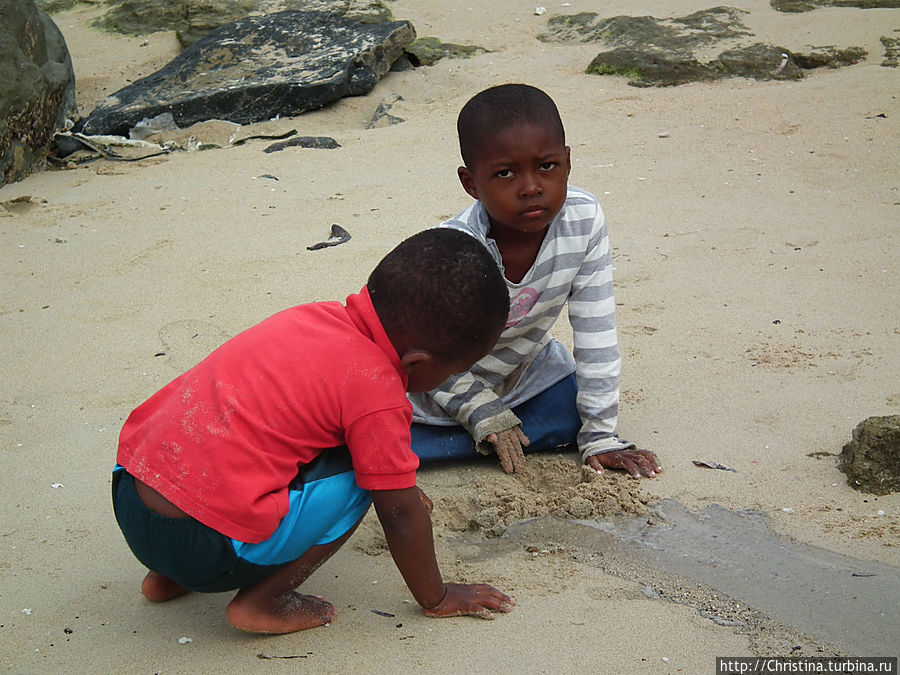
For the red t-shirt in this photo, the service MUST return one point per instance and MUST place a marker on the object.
(224, 440)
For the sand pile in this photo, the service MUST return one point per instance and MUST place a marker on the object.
(550, 485)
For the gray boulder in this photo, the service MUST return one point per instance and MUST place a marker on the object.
(194, 19)
(871, 459)
(37, 87)
(258, 68)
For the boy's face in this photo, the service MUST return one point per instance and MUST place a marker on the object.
(521, 176)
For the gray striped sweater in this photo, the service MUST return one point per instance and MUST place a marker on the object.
(573, 266)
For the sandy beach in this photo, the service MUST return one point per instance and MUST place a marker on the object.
(755, 228)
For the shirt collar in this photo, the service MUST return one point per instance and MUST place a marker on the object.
(362, 314)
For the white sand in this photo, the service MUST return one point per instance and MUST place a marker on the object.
(755, 227)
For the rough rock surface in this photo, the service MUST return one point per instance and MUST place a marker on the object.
(707, 45)
(258, 68)
(51, 6)
(426, 51)
(871, 459)
(37, 87)
(809, 5)
(891, 51)
(194, 19)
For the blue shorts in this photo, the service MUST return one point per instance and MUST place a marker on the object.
(324, 504)
(550, 420)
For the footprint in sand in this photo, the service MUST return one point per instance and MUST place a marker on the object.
(20, 205)
(638, 330)
(187, 342)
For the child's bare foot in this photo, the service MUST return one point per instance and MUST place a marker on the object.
(159, 588)
(286, 613)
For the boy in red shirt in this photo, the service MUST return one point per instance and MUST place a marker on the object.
(252, 468)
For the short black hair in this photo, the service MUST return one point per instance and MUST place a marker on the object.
(442, 290)
(498, 108)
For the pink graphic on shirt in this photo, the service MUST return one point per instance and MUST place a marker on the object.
(520, 305)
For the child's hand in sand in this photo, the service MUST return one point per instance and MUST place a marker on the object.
(637, 462)
(478, 600)
(508, 445)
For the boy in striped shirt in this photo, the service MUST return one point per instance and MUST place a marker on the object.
(551, 243)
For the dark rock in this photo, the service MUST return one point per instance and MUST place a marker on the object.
(712, 25)
(663, 52)
(650, 67)
(678, 34)
(195, 19)
(426, 51)
(871, 459)
(403, 63)
(37, 87)
(891, 51)
(259, 68)
(829, 57)
(383, 115)
(809, 5)
(759, 61)
(189, 20)
(53, 6)
(316, 142)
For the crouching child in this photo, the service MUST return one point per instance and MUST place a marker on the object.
(251, 469)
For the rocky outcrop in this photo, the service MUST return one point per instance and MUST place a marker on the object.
(37, 87)
(891, 51)
(809, 5)
(871, 459)
(426, 51)
(194, 19)
(663, 52)
(53, 6)
(258, 68)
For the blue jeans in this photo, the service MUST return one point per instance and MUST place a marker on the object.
(549, 420)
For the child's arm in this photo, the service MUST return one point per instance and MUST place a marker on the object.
(469, 398)
(404, 515)
(592, 314)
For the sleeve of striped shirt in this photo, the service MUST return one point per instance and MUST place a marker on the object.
(592, 313)
(468, 398)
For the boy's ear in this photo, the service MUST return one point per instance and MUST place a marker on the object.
(413, 357)
(468, 182)
(568, 160)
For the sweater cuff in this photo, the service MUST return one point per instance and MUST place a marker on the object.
(491, 425)
(610, 444)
